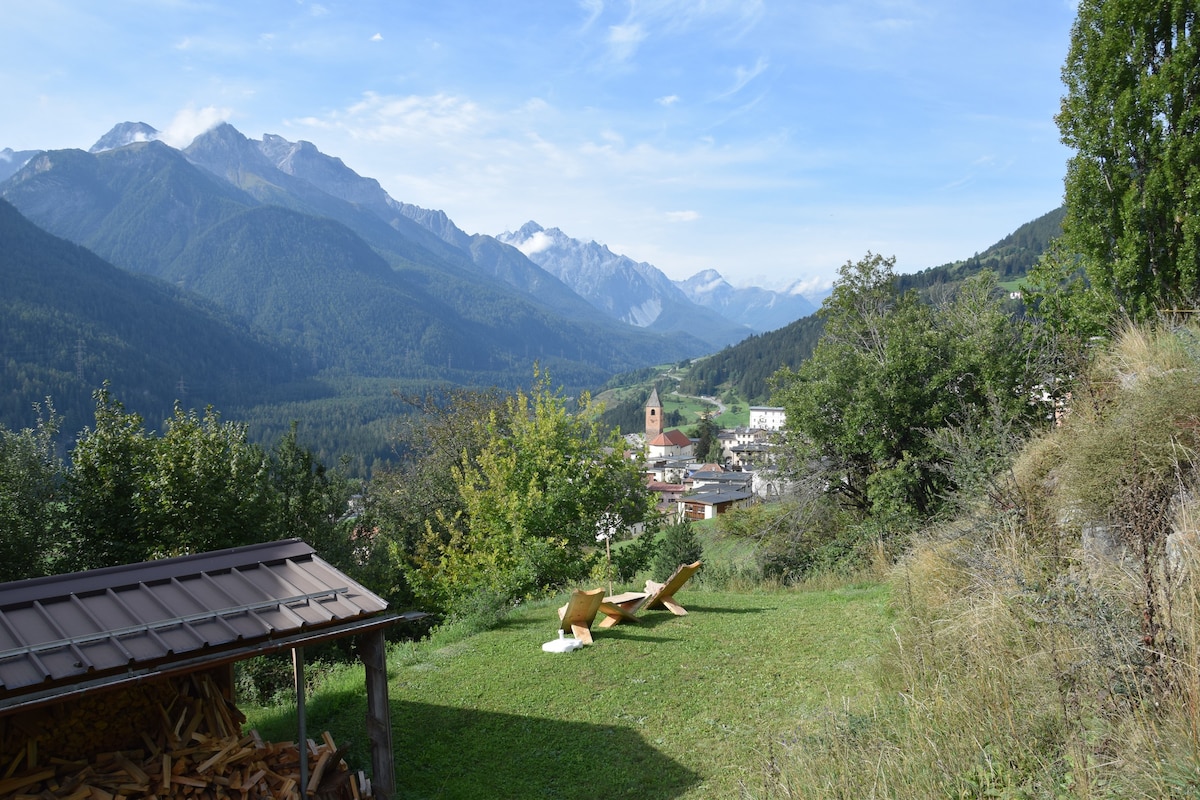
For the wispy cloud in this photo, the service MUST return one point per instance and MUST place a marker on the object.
(593, 9)
(377, 37)
(743, 75)
(190, 122)
(736, 16)
(668, 101)
(388, 118)
(623, 40)
(683, 216)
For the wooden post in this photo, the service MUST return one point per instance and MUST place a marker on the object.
(301, 723)
(379, 725)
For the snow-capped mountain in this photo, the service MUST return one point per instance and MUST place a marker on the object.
(757, 308)
(632, 291)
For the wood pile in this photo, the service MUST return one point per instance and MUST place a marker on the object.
(192, 748)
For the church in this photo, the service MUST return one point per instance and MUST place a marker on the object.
(664, 444)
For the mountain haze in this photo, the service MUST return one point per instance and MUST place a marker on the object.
(362, 294)
(757, 308)
(634, 292)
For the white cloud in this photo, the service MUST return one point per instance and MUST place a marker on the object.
(536, 243)
(191, 122)
(623, 40)
(668, 101)
(386, 118)
(377, 37)
(683, 216)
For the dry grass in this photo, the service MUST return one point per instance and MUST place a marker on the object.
(1022, 666)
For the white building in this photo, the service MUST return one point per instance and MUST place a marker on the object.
(767, 417)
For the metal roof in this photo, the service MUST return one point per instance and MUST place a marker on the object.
(715, 496)
(67, 629)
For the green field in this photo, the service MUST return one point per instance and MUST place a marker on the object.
(678, 707)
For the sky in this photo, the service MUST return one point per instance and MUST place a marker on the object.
(770, 140)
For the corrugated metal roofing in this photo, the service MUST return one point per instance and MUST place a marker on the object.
(68, 628)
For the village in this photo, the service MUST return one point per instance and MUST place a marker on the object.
(688, 489)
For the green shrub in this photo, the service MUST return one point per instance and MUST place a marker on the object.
(634, 556)
(678, 545)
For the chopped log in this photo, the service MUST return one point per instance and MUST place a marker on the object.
(181, 743)
(23, 781)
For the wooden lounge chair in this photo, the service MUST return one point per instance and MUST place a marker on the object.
(579, 613)
(657, 595)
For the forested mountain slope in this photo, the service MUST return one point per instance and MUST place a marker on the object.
(70, 321)
(360, 296)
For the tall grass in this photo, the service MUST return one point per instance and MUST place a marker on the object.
(1047, 642)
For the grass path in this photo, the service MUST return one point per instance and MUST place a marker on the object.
(680, 707)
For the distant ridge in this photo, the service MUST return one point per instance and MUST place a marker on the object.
(748, 365)
(364, 290)
(634, 292)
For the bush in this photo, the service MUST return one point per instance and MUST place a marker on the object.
(633, 556)
(678, 545)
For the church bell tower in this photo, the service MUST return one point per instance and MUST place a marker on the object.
(654, 415)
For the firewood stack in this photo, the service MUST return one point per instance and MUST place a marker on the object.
(190, 747)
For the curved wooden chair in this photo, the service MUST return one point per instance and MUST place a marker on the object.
(657, 595)
(580, 611)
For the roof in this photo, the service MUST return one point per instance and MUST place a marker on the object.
(653, 402)
(717, 497)
(118, 621)
(724, 478)
(674, 437)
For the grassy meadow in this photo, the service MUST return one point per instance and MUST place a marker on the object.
(677, 707)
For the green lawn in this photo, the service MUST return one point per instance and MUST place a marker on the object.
(679, 707)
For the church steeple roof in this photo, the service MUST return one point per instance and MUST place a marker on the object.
(653, 402)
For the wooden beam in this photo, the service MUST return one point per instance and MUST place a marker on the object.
(379, 725)
(301, 721)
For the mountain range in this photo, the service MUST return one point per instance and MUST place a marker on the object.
(640, 294)
(324, 279)
(273, 266)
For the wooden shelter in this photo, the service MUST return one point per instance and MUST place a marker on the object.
(93, 640)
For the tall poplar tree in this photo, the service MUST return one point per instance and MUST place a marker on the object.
(1132, 115)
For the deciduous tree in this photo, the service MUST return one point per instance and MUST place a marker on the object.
(1132, 115)
(889, 372)
(543, 486)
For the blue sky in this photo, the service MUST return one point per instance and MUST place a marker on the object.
(771, 141)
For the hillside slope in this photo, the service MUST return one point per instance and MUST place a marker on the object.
(70, 321)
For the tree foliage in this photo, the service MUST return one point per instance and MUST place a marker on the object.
(129, 495)
(890, 371)
(529, 505)
(31, 497)
(678, 545)
(1132, 116)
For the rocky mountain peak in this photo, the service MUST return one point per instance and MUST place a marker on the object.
(123, 134)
